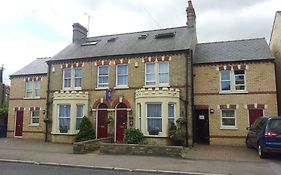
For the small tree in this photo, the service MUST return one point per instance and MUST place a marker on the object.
(86, 132)
(133, 136)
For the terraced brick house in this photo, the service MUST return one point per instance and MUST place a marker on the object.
(234, 83)
(140, 79)
(148, 80)
(27, 103)
(275, 46)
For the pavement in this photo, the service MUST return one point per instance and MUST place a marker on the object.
(201, 159)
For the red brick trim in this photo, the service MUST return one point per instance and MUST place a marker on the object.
(259, 106)
(98, 102)
(34, 108)
(201, 106)
(116, 102)
(19, 108)
(227, 107)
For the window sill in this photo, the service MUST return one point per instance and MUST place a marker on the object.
(101, 88)
(121, 87)
(160, 135)
(31, 98)
(228, 128)
(232, 92)
(58, 133)
(156, 86)
(33, 125)
(72, 89)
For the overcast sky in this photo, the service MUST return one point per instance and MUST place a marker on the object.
(31, 29)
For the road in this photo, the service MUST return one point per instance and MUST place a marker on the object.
(32, 169)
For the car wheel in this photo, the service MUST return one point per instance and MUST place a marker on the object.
(248, 144)
(262, 154)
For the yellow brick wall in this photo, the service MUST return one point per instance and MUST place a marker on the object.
(275, 46)
(261, 89)
(17, 94)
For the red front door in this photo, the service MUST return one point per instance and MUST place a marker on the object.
(254, 114)
(102, 125)
(121, 124)
(19, 122)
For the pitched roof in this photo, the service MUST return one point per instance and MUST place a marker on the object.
(130, 43)
(231, 51)
(38, 66)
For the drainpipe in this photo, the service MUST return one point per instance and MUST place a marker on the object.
(192, 94)
(186, 100)
(47, 103)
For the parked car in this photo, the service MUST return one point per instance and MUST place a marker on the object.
(265, 135)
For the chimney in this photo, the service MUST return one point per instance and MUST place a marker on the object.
(79, 32)
(191, 16)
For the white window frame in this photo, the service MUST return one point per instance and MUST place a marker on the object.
(174, 116)
(72, 79)
(221, 118)
(155, 103)
(154, 81)
(64, 78)
(33, 89)
(139, 115)
(163, 84)
(232, 82)
(34, 117)
(101, 85)
(157, 75)
(79, 117)
(69, 117)
(78, 77)
(117, 76)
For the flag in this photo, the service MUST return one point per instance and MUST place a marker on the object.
(108, 94)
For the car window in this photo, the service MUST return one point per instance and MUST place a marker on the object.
(254, 125)
(274, 126)
(261, 123)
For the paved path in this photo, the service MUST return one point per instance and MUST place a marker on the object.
(203, 159)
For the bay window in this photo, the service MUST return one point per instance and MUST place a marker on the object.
(64, 118)
(79, 115)
(171, 114)
(154, 116)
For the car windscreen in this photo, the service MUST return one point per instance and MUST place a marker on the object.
(274, 125)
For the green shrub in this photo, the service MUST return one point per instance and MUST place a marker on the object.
(86, 132)
(133, 136)
(176, 135)
(153, 131)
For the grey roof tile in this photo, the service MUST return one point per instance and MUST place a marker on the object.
(128, 43)
(38, 66)
(231, 51)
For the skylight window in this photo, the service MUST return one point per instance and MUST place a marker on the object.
(144, 36)
(89, 43)
(112, 39)
(164, 35)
